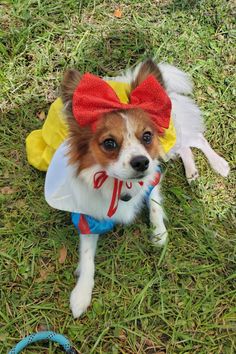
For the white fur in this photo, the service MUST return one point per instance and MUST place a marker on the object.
(189, 128)
(157, 216)
(98, 202)
(189, 124)
(82, 293)
(176, 80)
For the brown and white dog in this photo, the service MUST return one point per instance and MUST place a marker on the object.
(126, 146)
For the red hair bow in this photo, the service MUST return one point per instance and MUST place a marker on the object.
(94, 97)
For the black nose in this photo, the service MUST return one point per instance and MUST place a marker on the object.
(139, 163)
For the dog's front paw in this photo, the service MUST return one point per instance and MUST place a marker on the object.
(192, 175)
(80, 300)
(159, 238)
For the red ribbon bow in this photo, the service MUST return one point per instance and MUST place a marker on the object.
(94, 97)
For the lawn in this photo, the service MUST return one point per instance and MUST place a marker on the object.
(180, 299)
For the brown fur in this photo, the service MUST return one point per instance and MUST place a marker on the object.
(70, 81)
(86, 147)
(146, 69)
(142, 123)
(112, 126)
(79, 143)
(79, 138)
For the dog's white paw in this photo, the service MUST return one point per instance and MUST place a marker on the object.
(80, 300)
(159, 239)
(192, 175)
(221, 166)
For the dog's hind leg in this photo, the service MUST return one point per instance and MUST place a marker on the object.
(217, 162)
(189, 163)
(82, 293)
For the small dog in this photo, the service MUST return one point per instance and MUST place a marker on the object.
(109, 163)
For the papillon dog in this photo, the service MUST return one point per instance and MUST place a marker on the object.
(110, 162)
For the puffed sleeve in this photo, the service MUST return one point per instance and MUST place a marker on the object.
(60, 183)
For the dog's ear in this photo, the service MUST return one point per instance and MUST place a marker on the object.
(70, 81)
(79, 137)
(148, 67)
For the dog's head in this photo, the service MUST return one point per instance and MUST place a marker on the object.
(125, 143)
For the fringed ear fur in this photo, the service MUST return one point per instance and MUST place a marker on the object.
(149, 67)
(70, 81)
(79, 137)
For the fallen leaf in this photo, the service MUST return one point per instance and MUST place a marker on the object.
(118, 13)
(41, 115)
(43, 275)
(15, 155)
(20, 203)
(4, 336)
(45, 272)
(149, 342)
(62, 255)
(41, 327)
(6, 175)
(122, 336)
(7, 190)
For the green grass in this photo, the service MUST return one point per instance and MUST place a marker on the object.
(177, 300)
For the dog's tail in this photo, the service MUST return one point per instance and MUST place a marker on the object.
(175, 80)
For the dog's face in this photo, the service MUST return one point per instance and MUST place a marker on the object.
(125, 143)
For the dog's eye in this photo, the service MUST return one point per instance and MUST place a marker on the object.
(110, 144)
(147, 138)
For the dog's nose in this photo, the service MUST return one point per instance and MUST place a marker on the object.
(139, 163)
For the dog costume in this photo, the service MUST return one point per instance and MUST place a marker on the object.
(47, 147)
